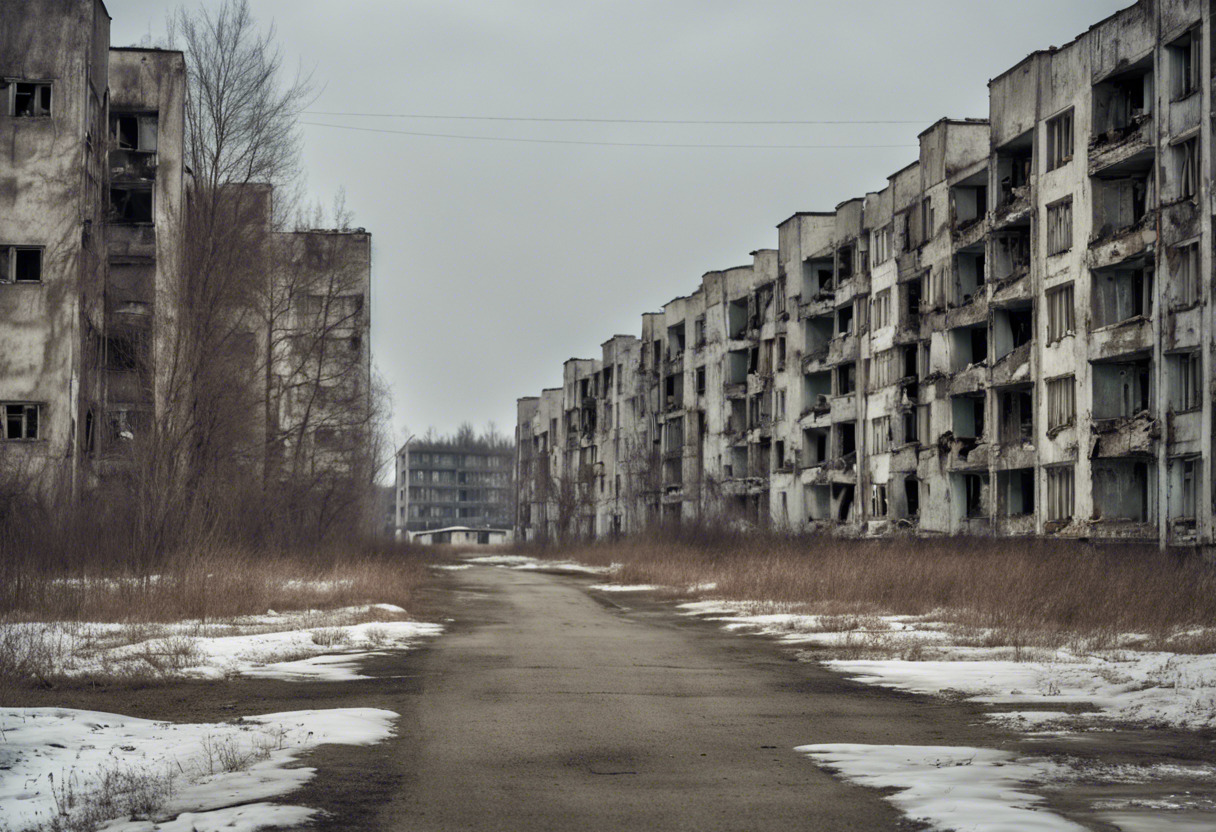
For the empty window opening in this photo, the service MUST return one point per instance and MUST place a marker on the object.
(844, 263)
(814, 447)
(1186, 63)
(1010, 254)
(975, 488)
(968, 412)
(1121, 203)
(736, 323)
(911, 297)
(27, 99)
(21, 420)
(700, 381)
(1014, 164)
(1016, 492)
(736, 367)
(675, 341)
(846, 439)
(1122, 489)
(130, 204)
(1011, 329)
(818, 332)
(1186, 288)
(911, 433)
(969, 266)
(880, 434)
(1184, 496)
(1017, 415)
(912, 496)
(969, 200)
(1124, 100)
(1186, 381)
(844, 320)
(817, 389)
(969, 346)
(1120, 294)
(843, 495)
(846, 379)
(1122, 390)
(20, 264)
(817, 280)
(134, 132)
(878, 501)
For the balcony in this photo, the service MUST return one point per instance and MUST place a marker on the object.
(1130, 147)
(1135, 436)
(1012, 368)
(1133, 336)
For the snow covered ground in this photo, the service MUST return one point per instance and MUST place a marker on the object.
(527, 564)
(1040, 692)
(922, 654)
(317, 646)
(77, 767)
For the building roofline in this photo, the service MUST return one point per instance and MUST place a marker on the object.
(147, 49)
(798, 214)
(957, 121)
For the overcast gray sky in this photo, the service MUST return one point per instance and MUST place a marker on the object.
(496, 261)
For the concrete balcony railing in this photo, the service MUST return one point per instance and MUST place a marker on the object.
(1135, 436)
(1129, 145)
(1111, 246)
(1130, 337)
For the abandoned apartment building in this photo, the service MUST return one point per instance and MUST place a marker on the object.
(93, 183)
(448, 485)
(1013, 337)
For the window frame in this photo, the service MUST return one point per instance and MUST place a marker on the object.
(1057, 156)
(26, 406)
(8, 96)
(1067, 327)
(8, 264)
(1054, 405)
(1059, 239)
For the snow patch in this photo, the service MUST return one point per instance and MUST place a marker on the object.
(951, 788)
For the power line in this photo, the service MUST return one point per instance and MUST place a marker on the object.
(607, 144)
(619, 120)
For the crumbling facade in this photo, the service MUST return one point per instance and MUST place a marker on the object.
(93, 192)
(1013, 337)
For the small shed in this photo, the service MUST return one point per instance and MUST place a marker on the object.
(461, 536)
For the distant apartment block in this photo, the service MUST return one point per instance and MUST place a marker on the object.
(1013, 337)
(448, 484)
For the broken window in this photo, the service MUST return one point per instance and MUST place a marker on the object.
(737, 318)
(1016, 490)
(844, 320)
(1186, 166)
(1186, 62)
(1059, 140)
(131, 203)
(912, 293)
(27, 99)
(846, 439)
(969, 200)
(1061, 313)
(1123, 100)
(698, 328)
(974, 486)
(1186, 381)
(844, 263)
(131, 131)
(814, 447)
(21, 420)
(1186, 286)
(675, 341)
(846, 379)
(911, 434)
(1121, 293)
(1121, 390)
(700, 381)
(878, 501)
(969, 267)
(1059, 226)
(927, 227)
(1011, 328)
(1017, 415)
(881, 434)
(968, 412)
(1061, 402)
(20, 264)
(1186, 485)
(817, 389)
(1123, 490)
(969, 347)
(1015, 161)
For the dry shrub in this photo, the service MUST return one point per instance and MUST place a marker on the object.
(1025, 591)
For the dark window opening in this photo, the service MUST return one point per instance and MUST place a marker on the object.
(30, 99)
(912, 495)
(130, 205)
(21, 421)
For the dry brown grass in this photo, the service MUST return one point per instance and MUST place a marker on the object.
(218, 583)
(1025, 591)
